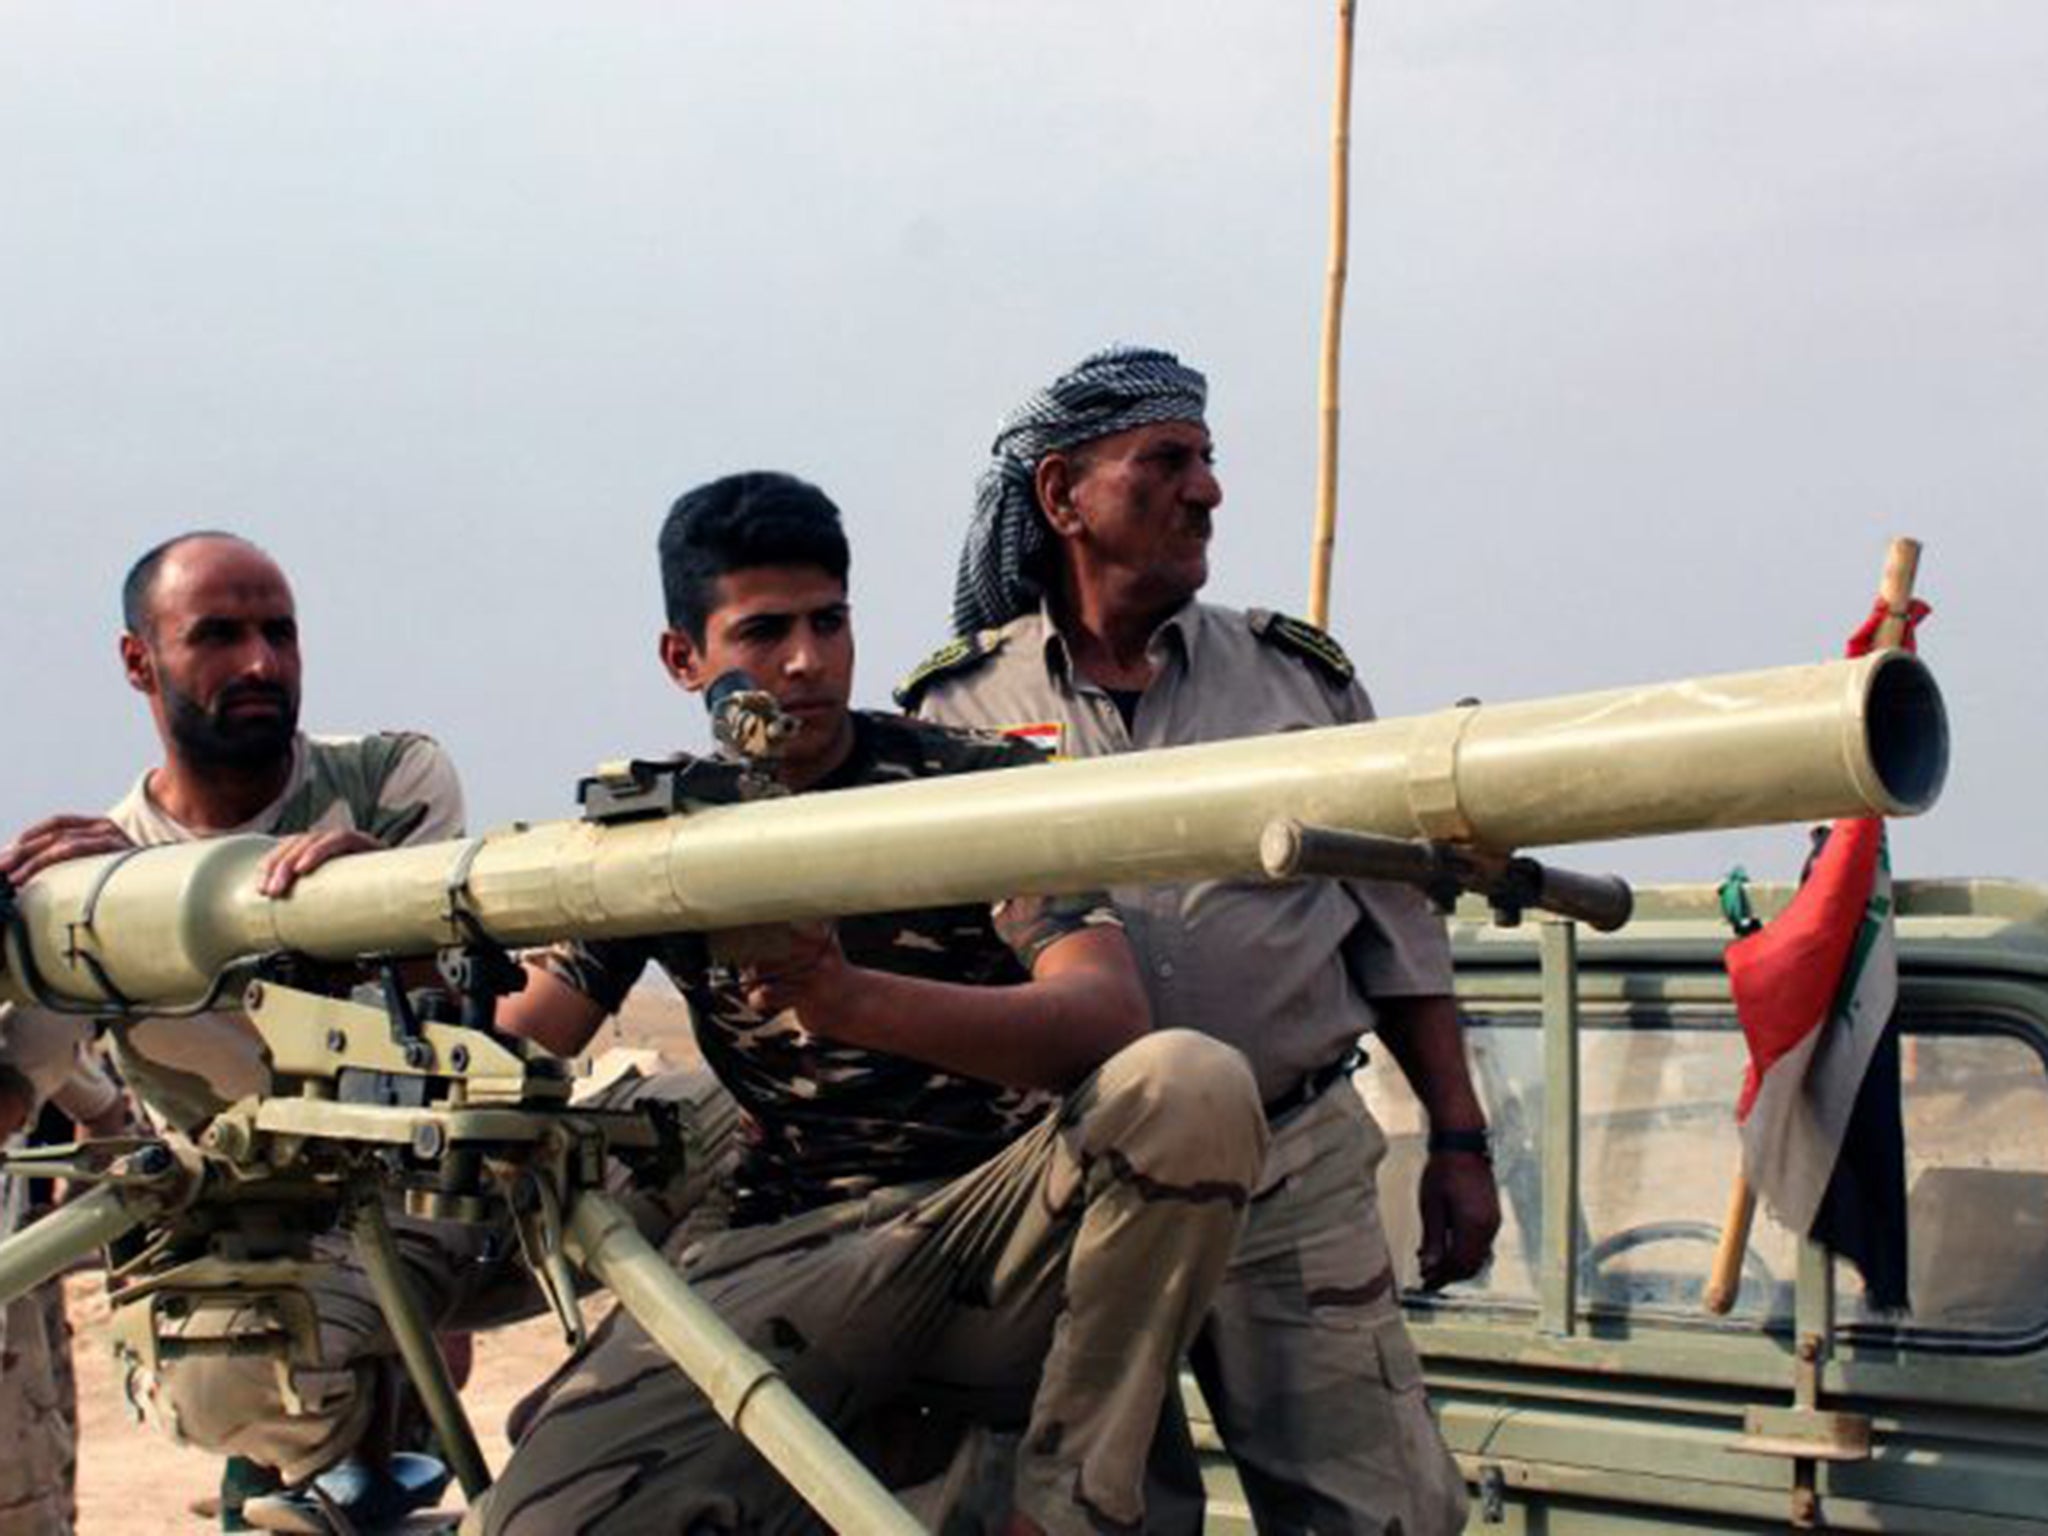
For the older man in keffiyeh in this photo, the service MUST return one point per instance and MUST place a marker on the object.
(1004, 564)
(1082, 629)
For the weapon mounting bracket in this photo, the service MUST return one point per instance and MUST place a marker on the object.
(633, 789)
(403, 1017)
(479, 972)
(127, 1162)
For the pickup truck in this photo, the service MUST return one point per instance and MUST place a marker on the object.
(1581, 1383)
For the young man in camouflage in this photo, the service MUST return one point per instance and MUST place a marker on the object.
(971, 1180)
(1080, 627)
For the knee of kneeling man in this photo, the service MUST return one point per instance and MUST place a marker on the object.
(1192, 1082)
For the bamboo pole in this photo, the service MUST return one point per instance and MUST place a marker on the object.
(1724, 1279)
(1325, 538)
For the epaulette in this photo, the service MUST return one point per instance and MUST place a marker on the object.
(953, 659)
(1303, 639)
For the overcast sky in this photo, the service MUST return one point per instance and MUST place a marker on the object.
(1664, 318)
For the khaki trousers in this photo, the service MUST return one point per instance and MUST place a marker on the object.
(1054, 1286)
(38, 1417)
(1304, 1361)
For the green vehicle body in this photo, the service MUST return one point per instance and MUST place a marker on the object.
(1581, 1384)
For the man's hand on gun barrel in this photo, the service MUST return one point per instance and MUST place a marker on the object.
(56, 839)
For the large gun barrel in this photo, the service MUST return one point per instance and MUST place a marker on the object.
(157, 928)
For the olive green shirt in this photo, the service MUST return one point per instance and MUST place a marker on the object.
(1281, 970)
(397, 786)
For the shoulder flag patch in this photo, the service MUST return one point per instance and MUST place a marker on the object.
(1049, 736)
(1303, 640)
(953, 659)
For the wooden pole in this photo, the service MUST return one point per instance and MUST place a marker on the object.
(1724, 1280)
(1325, 538)
(1901, 570)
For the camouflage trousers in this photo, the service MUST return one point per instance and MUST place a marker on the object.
(1054, 1286)
(38, 1417)
(303, 1418)
(1313, 1383)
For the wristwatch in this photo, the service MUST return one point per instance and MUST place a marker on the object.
(1479, 1143)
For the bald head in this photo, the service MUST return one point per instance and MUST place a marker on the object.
(138, 589)
(213, 641)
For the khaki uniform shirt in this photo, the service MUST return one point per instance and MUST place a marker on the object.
(1280, 970)
(398, 787)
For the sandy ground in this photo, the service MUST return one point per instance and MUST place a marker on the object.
(132, 1481)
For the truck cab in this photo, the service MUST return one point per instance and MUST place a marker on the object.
(1580, 1381)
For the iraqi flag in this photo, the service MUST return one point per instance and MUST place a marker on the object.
(1816, 991)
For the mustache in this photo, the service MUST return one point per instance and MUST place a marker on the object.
(252, 693)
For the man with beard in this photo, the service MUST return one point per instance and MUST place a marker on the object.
(211, 641)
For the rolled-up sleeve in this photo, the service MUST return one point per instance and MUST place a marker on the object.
(1031, 925)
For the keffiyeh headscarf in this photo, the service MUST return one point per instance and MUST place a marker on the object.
(1003, 562)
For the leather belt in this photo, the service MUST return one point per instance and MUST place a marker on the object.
(1313, 1086)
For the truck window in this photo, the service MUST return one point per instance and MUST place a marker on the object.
(1658, 1146)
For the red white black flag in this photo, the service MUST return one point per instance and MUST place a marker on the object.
(1816, 990)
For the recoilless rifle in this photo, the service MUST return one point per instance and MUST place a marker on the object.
(371, 1100)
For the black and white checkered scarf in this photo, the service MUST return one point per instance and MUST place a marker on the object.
(1003, 564)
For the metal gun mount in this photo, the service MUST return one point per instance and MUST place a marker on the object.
(466, 1123)
(462, 1124)
(634, 788)
(745, 720)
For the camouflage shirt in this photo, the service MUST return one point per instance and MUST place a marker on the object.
(822, 1122)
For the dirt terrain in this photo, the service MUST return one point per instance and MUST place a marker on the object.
(132, 1481)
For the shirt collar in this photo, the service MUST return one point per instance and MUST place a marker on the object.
(1181, 629)
(264, 821)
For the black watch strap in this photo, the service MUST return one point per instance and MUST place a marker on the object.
(1478, 1143)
